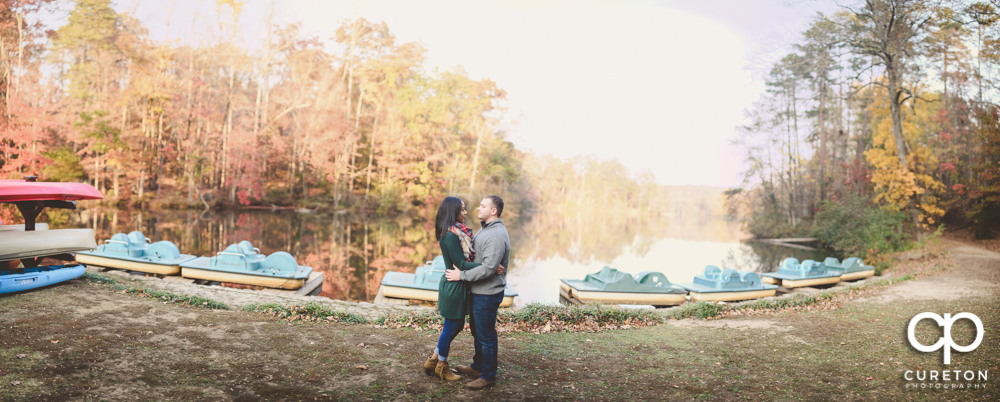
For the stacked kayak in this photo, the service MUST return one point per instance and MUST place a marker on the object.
(423, 285)
(242, 263)
(612, 286)
(851, 269)
(8, 228)
(20, 244)
(134, 252)
(792, 274)
(22, 247)
(716, 284)
(16, 280)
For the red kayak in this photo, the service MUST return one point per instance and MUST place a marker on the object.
(31, 196)
(21, 190)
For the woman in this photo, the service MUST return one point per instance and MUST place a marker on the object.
(456, 249)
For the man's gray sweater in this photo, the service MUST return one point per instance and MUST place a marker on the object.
(492, 247)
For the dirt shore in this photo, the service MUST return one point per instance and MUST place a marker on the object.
(80, 341)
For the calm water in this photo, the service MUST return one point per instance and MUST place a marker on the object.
(354, 252)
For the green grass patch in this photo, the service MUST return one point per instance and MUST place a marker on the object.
(536, 317)
(312, 312)
(195, 301)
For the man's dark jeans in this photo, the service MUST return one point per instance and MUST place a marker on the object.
(483, 324)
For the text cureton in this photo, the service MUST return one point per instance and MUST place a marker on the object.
(945, 375)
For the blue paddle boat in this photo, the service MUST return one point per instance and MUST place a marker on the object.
(612, 286)
(716, 284)
(851, 269)
(242, 263)
(423, 285)
(792, 274)
(134, 252)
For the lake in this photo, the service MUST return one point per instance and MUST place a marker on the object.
(355, 251)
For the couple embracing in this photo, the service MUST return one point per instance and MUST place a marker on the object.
(474, 287)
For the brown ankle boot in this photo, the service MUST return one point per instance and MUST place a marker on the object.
(430, 364)
(443, 371)
(479, 384)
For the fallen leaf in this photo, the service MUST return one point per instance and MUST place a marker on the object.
(361, 366)
(676, 387)
(534, 383)
(56, 341)
(21, 356)
(15, 383)
(881, 364)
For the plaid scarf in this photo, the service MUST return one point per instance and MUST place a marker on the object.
(465, 237)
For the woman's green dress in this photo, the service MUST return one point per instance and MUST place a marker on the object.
(453, 297)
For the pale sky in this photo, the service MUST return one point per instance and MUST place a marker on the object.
(660, 85)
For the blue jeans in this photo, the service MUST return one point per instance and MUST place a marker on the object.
(483, 324)
(450, 330)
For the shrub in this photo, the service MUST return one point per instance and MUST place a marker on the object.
(854, 226)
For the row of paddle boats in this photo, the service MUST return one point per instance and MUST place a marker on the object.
(612, 286)
(22, 248)
(240, 263)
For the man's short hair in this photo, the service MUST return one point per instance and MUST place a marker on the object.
(497, 203)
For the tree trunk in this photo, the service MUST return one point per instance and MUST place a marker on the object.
(371, 150)
(475, 159)
(822, 138)
(159, 142)
(897, 122)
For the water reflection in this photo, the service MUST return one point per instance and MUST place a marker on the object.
(355, 251)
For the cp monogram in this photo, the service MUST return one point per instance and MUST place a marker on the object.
(945, 342)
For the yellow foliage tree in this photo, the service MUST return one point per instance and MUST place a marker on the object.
(913, 186)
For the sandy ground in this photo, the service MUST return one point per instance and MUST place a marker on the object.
(79, 341)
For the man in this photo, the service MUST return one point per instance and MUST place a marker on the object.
(492, 245)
